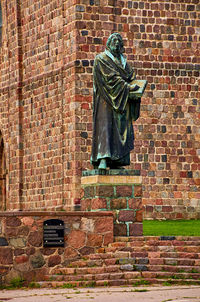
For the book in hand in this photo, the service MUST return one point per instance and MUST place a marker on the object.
(134, 92)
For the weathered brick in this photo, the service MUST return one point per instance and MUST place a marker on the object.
(105, 191)
(124, 191)
(126, 215)
(98, 203)
(136, 229)
(118, 203)
(120, 230)
(137, 191)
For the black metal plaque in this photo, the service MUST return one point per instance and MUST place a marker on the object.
(53, 233)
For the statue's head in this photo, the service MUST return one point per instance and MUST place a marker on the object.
(115, 44)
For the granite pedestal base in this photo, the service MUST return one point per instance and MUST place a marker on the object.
(119, 191)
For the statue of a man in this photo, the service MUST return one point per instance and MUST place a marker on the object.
(114, 107)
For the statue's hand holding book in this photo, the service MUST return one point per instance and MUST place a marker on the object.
(137, 88)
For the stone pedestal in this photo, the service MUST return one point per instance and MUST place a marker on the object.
(119, 191)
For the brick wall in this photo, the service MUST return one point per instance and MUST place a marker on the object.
(46, 63)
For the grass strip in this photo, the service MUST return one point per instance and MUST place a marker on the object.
(171, 228)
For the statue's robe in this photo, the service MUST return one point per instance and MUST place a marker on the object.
(113, 111)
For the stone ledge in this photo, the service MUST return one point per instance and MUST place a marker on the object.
(111, 172)
(39, 213)
(111, 179)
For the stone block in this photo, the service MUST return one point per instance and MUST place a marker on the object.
(138, 190)
(120, 230)
(27, 221)
(127, 261)
(105, 191)
(104, 224)
(124, 191)
(89, 191)
(37, 260)
(98, 203)
(35, 238)
(94, 240)
(127, 267)
(21, 259)
(86, 250)
(108, 238)
(136, 229)
(6, 256)
(70, 253)
(13, 221)
(141, 268)
(3, 241)
(126, 215)
(76, 239)
(54, 260)
(118, 203)
(139, 216)
(135, 203)
(17, 242)
(86, 204)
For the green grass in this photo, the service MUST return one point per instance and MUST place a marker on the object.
(171, 228)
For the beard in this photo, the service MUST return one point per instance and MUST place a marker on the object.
(116, 50)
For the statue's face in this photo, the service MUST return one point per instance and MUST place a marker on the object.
(116, 45)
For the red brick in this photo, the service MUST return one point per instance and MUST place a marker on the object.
(98, 203)
(118, 203)
(108, 238)
(137, 191)
(167, 208)
(105, 191)
(139, 216)
(136, 229)
(120, 230)
(135, 203)
(126, 216)
(86, 204)
(124, 191)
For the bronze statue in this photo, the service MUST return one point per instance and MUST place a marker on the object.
(116, 103)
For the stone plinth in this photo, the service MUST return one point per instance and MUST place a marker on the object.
(119, 191)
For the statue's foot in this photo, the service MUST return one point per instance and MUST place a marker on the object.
(102, 164)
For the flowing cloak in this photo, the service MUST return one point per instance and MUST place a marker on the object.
(113, 111)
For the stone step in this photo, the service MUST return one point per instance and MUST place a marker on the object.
(118, 282)
(125, 268)
(172, 275)
(185, 239)
(171, 268)
(130, 246)
(124, 275)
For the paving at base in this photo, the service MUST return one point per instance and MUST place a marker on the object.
(117, 294)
